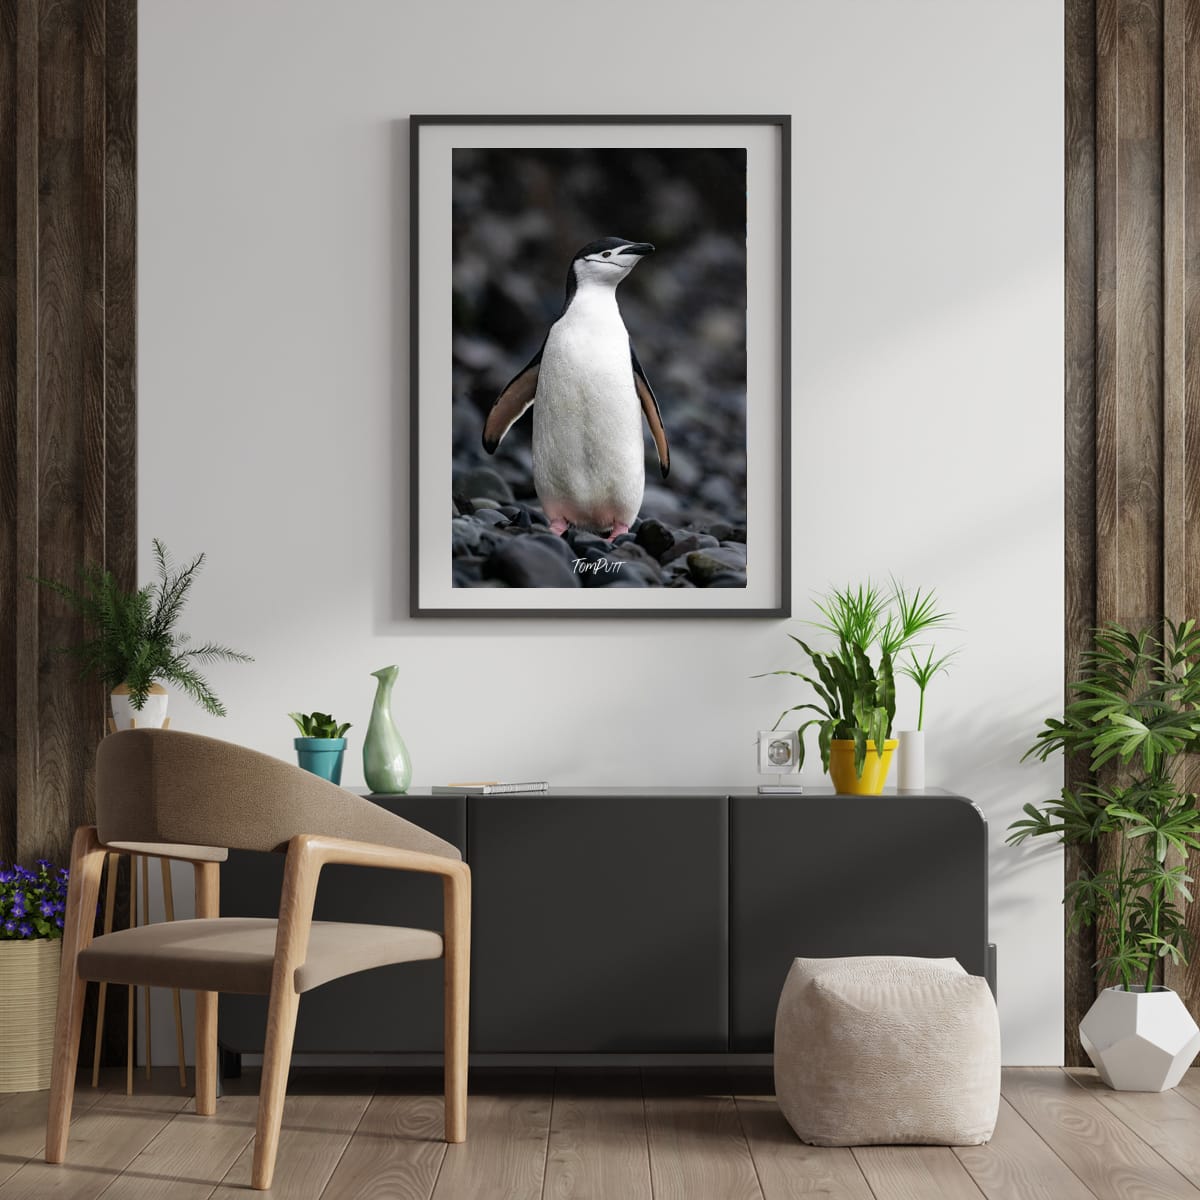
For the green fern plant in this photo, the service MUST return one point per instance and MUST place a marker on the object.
(133, 639)
(857, 697)
(318, 725)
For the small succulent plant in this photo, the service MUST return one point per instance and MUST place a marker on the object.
(318, 725)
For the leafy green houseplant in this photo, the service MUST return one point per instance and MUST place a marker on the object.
(321, 746)
(318, 725)
(1132, 716)
(134, 643)
(855, 682)
(33, 902)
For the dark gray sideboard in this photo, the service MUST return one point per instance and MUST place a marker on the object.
(636, 920)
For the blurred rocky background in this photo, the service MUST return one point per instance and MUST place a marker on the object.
(519, 217)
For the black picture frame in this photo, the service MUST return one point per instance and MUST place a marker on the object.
(781, 607)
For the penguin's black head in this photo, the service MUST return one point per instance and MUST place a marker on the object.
(604, 263)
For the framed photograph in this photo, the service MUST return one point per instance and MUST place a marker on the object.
(599, 366)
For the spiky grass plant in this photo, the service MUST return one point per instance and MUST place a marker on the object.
(858, 696)
(133, 639)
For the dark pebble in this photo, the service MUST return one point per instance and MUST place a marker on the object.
(737, 534)
(464, 534)
(720, 530)
(686, 545)
(485, 504)
(625, 539)
(528, 562)
(553, 543)
(582, 541)
(463, 503)
(705, 565)
(655, 537)
(483, 481)
(491, 516)
(538, 517)
(728, 579)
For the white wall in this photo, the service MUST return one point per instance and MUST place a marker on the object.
(927, 341)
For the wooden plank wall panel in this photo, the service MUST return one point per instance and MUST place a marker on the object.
(1132, 373)
(67, 416)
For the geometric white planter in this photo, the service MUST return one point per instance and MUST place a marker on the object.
(1140, 1041)
(152, 716)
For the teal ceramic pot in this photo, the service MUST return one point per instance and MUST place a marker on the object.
(322, 756)
(386, 765)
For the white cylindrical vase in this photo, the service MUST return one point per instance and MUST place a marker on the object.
(912, 760)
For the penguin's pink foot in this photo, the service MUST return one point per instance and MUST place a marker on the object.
(617, 530)
(558, 526)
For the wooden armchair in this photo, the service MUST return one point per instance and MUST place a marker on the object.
(182, 796)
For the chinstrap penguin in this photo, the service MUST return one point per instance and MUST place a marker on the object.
(591, 394)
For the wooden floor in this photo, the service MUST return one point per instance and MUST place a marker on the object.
(619, 1135)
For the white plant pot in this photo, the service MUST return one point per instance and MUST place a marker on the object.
(912, 760)
(1140, 1041)
(153, 714)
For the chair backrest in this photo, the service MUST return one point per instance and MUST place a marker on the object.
(165, 786)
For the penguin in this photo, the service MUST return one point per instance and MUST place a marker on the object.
(589, 394)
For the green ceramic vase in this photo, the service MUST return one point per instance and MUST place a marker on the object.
(386, 765)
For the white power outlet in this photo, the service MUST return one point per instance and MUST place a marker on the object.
(778, 752)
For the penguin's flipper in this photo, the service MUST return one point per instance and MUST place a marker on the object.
(511, 404)
(653, 416)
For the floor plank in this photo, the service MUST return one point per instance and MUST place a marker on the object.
(788, 1168)
(317, 1126)
(598, 1147)
(697, 1148)
(190, 1157)
(104, 1141)
(508, 1126)
(915, 1173)
(396, 1151)
(23, 1124)
(1101, 1150)
(1163, 1120)
(1016, 1162)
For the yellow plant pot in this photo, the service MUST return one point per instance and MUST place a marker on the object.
(875, 769)
(28, 998)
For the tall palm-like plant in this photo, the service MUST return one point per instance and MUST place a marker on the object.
(1134, 713)
(133, 639)
(857, 697)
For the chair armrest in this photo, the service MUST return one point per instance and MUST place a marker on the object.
(307, 853)
(320, 849)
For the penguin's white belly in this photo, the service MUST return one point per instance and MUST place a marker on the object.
(588, 456)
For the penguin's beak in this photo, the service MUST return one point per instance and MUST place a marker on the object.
(639, 248)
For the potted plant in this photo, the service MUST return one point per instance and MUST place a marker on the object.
(1132, 716)
(134, 646)
(912, 741)
(322, 744)
(857, 695)
(32, 904)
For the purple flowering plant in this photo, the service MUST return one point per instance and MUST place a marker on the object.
(32, 901)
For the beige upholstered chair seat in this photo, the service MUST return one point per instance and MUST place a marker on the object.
(236, 954)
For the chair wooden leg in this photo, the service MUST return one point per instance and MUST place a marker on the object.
(110, 901)
(208, 904)
(87, 862)
(456, 891)
(277, 1058)
(169, 914)
(146, 990)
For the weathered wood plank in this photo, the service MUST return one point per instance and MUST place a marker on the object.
(395, 1154)
(1102, 1151)
(697, 1148)
(598, 1142)
(1016, 1162)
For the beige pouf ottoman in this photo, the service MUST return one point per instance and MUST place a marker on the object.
(882, 1050)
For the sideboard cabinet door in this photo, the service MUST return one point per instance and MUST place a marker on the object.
(827, 876)
(600, 923)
